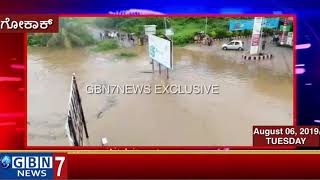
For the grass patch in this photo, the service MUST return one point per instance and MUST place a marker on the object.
(126, 54)
(107, 45)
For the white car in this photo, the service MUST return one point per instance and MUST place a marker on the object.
(234, 45)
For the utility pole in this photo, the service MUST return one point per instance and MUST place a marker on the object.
(205, 28)
(165, 23)
(171, 39)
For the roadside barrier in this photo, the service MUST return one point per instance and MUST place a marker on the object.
(257, 57)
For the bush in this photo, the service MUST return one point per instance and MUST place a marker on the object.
(229, 34)
(235, 33)
(213, 34)
(241, 33)
(38, 40)
(160, 33)
(182, 39)
(268, 31)
(107, 45)
(221, 33)
(247, 32)
(185, 36)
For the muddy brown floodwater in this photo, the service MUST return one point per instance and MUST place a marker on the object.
(250, 94)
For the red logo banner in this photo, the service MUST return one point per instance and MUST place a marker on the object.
(29, 23)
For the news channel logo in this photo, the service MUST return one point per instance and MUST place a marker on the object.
(26, 166)
(5, 161)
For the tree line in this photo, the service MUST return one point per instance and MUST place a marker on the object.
(74, 32)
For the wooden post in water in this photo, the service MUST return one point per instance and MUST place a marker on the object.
(152, 65)
(167, 73)
(159, 68)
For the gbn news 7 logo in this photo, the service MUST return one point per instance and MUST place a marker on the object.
(30, 165)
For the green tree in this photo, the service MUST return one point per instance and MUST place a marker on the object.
(71, 34)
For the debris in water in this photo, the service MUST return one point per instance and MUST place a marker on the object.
(104, 141)
(111, 101)
(146, 72)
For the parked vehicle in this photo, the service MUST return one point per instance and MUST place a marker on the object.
(234, 45)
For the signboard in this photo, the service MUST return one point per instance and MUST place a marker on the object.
(150, 29)
(256, 31)
(247, 24)
(75, 120)
(290, 39)
(288, 28)
(240, 24)
(271, 22)
(284, 30)
(255, 40)
(160, 50)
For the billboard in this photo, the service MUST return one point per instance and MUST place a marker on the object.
(271, 22)
(290, 39)
(284, 30)
(247, 24)
(160, 50)
(240, 24)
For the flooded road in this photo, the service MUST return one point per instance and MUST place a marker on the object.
(249, 95)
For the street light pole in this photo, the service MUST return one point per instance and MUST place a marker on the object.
(205, 30)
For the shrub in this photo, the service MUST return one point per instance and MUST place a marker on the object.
(213, 34)
(241, 33)
(235, 33)
(268, 31)
(184, 36)
(247, 32)
(182, 39)
(229, 34)
(221, 33)
(38, 39)
(107, 45)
